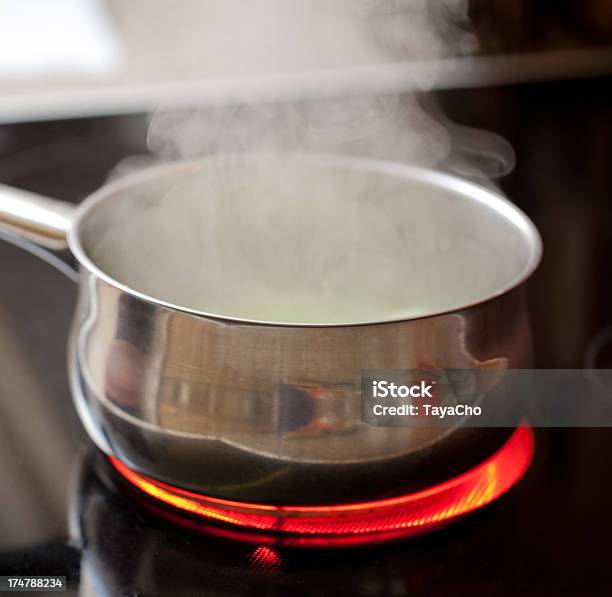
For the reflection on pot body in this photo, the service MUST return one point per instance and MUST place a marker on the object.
(264, 412)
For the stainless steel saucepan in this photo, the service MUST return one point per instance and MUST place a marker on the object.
(227, 308)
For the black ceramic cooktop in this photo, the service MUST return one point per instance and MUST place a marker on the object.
(62, 511)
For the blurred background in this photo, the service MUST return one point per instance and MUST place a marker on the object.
(513, 94)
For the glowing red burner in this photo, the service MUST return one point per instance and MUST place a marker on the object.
(392, 517)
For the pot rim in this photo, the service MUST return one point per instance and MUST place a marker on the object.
(487, 197)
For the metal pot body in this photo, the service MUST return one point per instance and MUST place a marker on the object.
(263, 412)
(268, 413)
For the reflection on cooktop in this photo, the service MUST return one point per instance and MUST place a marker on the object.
(118, 545)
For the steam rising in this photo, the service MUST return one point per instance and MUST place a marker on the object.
(304, 239)
(292, 242)
(382, 127)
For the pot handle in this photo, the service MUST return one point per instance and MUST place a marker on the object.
(39, 225)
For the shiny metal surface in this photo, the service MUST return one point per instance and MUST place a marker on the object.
(267, 411)
(34, 217)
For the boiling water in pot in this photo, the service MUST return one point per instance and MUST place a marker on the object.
(301, 241)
